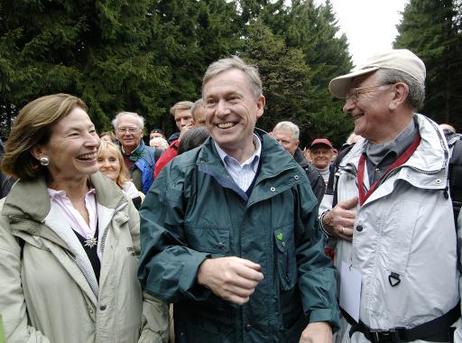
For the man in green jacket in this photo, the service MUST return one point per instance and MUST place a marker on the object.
(229, 231)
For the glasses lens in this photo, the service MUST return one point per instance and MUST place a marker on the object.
(127, 129)
(356, 92)
(352, 95)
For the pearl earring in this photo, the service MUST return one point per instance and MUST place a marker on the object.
(44, 161)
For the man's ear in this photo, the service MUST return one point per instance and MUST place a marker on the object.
(400, 94)
(261, 101)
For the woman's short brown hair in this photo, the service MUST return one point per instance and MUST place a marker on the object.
(123, 173)
(33, 127)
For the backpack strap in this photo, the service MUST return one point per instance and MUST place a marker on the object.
(21, 243)
(455, 177)
(331, 188)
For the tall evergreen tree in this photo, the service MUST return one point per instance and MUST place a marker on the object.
(432, 29)
(144, 56)
(188, 36)
(93, 49)
(139, 56)
(265, 10)
(314, 30)
(285, 76)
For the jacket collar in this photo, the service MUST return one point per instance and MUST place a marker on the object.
(30, 199)
(430, 156)
(426, 168)
(274, 162)
(432, 153)
(136, 154)
(274, 158)
(300, 158)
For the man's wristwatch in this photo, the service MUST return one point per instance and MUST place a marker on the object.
(325, 225)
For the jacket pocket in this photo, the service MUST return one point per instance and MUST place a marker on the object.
(285, 257)
(206, 239)
(397, 236)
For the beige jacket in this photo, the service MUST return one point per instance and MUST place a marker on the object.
(48, 291)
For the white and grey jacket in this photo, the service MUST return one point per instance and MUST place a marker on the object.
(405, 227)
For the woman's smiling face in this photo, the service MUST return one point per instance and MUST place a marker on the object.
(108, 162)
(72, 147)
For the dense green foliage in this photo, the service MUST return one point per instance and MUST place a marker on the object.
(145, 55)
(433, 30)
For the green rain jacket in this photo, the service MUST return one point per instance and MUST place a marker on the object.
(195, 211)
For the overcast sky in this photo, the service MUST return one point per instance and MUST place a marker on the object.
(370, 25)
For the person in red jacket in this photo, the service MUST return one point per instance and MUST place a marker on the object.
(183, 122)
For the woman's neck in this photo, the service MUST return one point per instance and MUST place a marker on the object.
(74, 188)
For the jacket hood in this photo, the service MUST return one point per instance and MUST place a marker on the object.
(276, 159)
(29, 199)
(431, 155)
(426, 167)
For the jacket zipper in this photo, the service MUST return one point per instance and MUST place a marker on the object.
(120, 206)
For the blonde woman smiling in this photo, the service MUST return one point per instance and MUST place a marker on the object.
(111, 163)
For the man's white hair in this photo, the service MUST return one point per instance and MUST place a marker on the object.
(140, 119)
(288, 126)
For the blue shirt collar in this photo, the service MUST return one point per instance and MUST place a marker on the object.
(252, 160)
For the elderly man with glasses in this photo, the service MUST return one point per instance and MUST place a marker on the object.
(390, 214)
(139, 158)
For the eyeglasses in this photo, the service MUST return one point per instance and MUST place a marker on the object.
(354, 93)
(319, 152)
(127, 129)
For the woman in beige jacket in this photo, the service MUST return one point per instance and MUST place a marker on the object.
(69, 238)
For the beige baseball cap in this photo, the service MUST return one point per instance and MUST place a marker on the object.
(398, 59)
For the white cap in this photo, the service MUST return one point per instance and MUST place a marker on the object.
(398, 59)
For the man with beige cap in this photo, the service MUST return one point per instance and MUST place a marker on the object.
(391, 215)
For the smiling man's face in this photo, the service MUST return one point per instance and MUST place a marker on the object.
(129, 133)
(232, 110)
